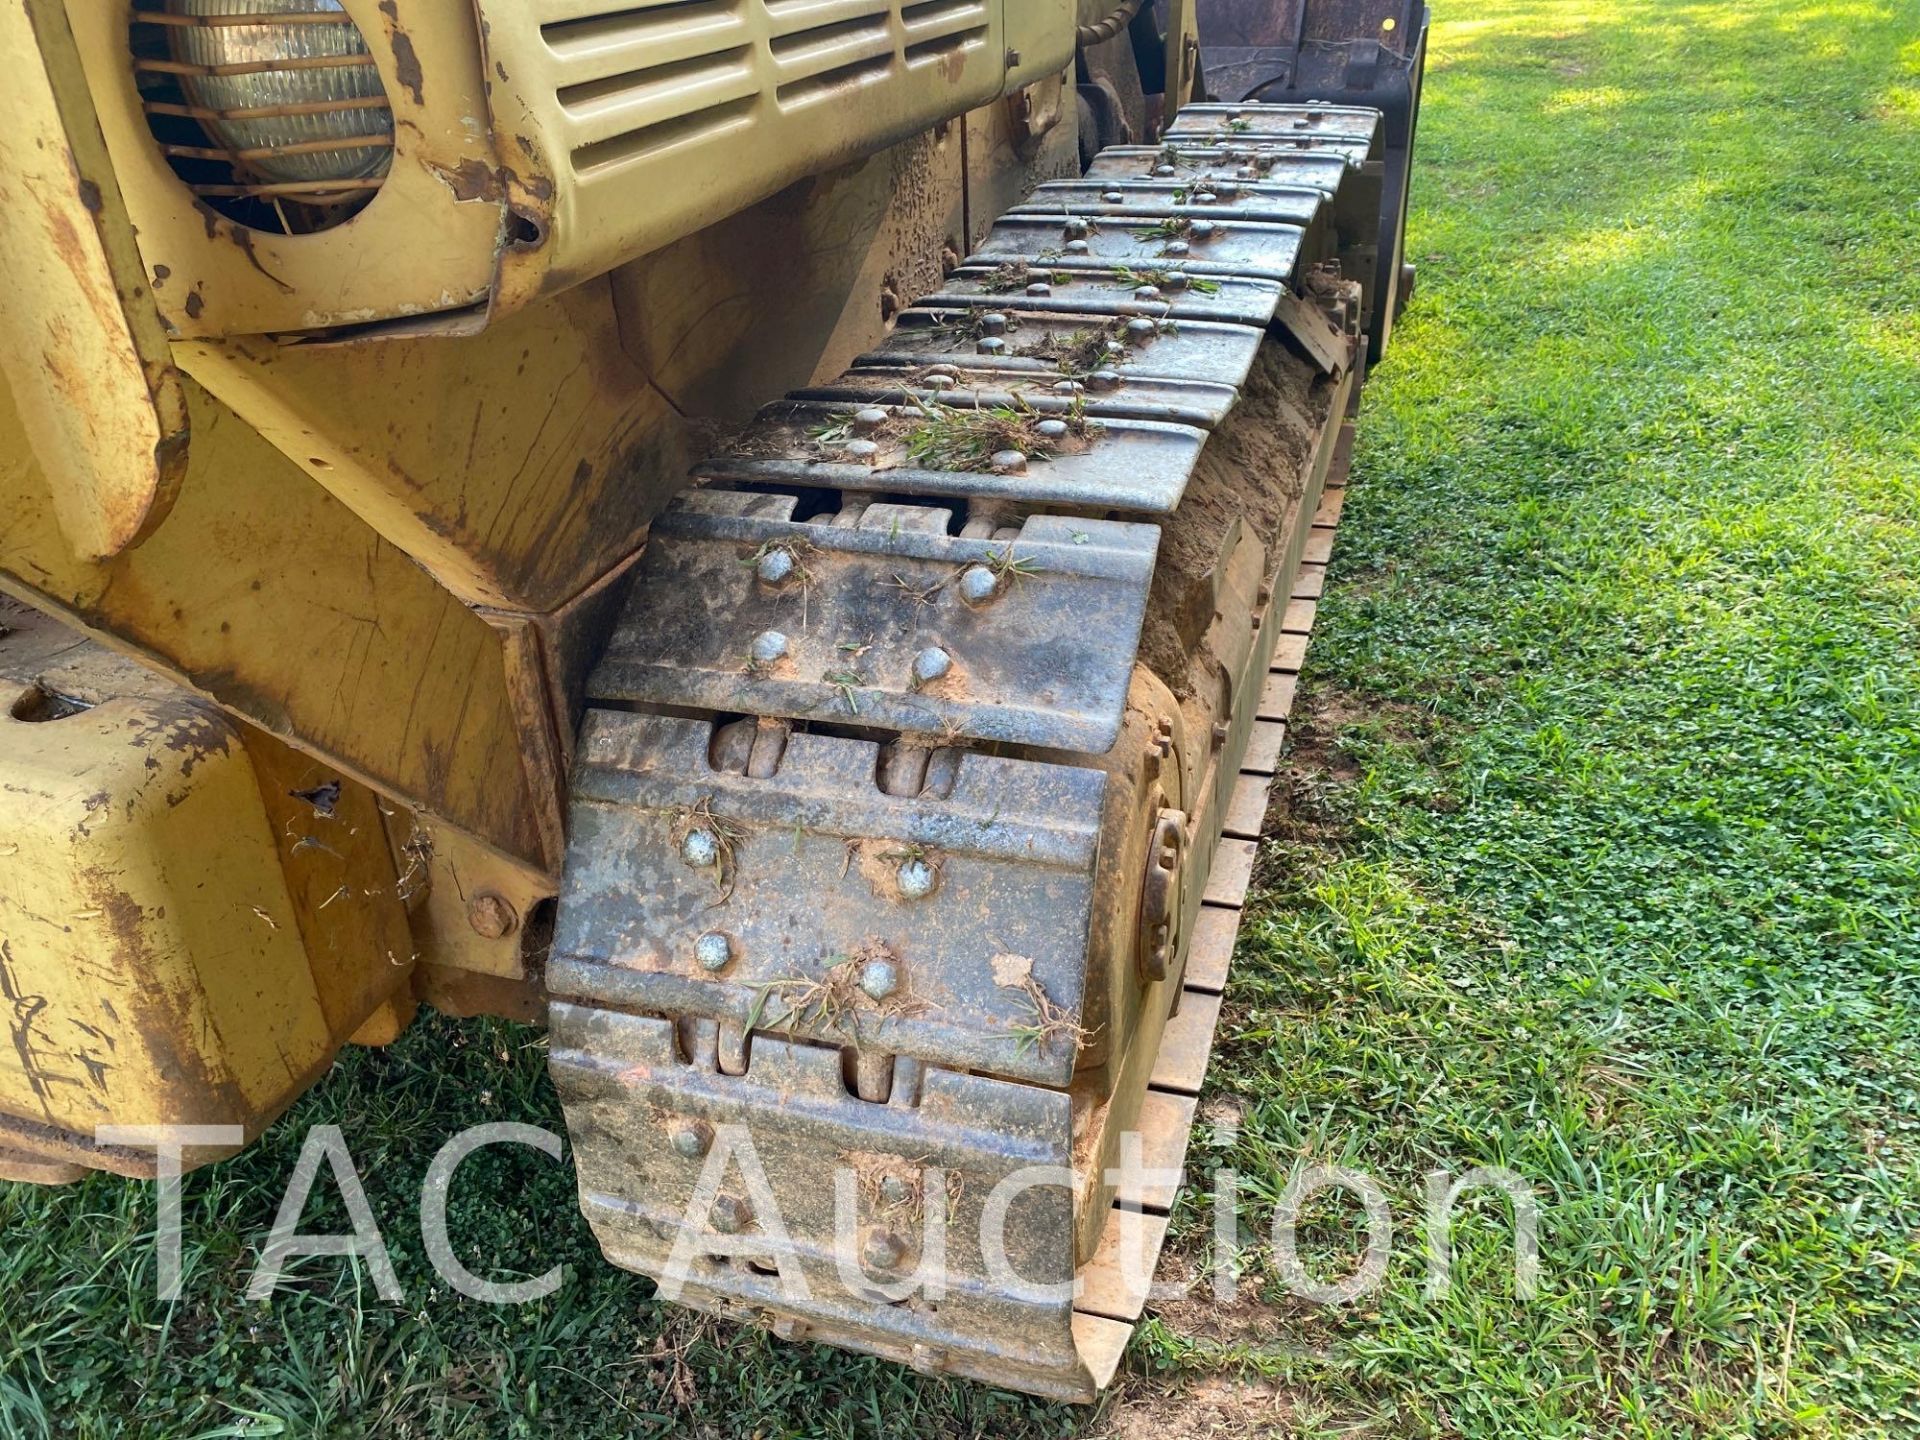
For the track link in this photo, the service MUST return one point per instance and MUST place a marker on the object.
(904, 775)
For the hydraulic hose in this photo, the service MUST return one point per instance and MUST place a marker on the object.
(1111, 26)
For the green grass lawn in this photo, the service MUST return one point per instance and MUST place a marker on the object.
(1598, 861)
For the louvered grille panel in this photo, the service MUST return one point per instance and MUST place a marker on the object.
(654, 118)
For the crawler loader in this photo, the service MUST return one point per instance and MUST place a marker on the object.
(749, 532)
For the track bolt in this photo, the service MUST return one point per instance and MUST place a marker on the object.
(884, 1250)
(775, 565)
(1104, 380)
(1146, 292)
(1114, 197)
(1078, 247)
(1161, 746)
(1141, 331)
(916, 883)
(869, 418)
(1039, 288)
(860, 449)
(1008, 462)
(713, 950)
(1201, 230)
(1067, 387)
(690, 1141)
(769, 646)
(993, 324)
(880, 978)
(940, 381)
(1075, 229)
(1175, 280)
(930, 664)
(730, 1214)
(491, 917)
(701, 849)
(1176, 248)
(991, 345)
(1205, 197)
(1055, 429)
(978, 584)
(1163, 171)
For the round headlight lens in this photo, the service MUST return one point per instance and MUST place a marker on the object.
(272, 111)
(315, 73)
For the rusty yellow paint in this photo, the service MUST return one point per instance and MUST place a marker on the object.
(266, 593)
(427, 242)
(791, 290)
(86, 357)
(518, 465)
(756, 99)
(166, 953)
(348, 900)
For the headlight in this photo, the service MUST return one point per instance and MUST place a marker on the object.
(296, 132)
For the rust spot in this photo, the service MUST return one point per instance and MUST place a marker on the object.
(406, 64)
(160, 274)
(239, 235)
(500, 70)
(195, 305)
(90, 197)
(471, 179)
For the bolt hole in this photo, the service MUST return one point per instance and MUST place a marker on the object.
(37, 703)
(523, 231)
(317, 463)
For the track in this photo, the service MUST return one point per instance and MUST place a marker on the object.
(1114, 1285)
(919, 782)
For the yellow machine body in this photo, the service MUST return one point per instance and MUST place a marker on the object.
(183, 939)
(364, 499)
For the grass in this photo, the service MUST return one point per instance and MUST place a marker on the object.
(1598, 861)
